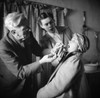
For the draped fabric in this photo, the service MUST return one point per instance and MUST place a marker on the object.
(1, 19)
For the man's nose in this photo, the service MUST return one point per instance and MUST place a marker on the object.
(49, 25)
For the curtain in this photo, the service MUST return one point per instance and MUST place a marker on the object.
(31, 10)
(1, 19)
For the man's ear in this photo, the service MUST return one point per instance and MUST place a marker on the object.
(41, 26)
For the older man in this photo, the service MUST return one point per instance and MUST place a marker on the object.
(16, 49)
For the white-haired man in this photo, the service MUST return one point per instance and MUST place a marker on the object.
(16, 49)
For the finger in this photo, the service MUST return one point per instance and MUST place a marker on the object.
(58, 45)
(59, 51)
(50, 55)
(54, 56)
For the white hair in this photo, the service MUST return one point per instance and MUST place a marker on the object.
(12, 20)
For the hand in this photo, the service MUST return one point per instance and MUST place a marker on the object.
(56, 48)
(48, 58)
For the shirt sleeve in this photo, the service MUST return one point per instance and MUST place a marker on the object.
(36, 48)
(13, 64)
(62, 80)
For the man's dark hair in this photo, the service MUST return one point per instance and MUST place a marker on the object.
(43, 15)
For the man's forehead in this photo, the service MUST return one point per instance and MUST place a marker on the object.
(46, 20)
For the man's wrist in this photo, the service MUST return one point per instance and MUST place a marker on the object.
(40, 61)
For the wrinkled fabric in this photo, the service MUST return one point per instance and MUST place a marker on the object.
(15, 66)
(66, 82)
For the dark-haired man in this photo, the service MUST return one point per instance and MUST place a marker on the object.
(53, 35)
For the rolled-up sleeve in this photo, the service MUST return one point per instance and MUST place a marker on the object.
(62, 80)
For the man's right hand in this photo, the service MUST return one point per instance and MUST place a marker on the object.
(56, 48)
(48, 58)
